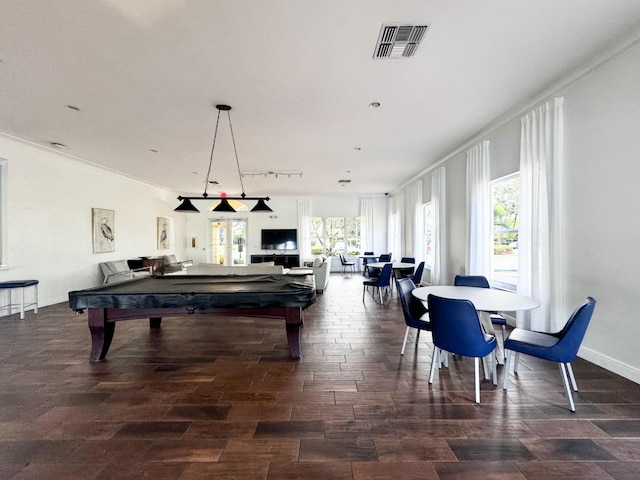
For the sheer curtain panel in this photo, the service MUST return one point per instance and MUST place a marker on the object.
(478, 248)
(366, 224)
(541, 158)
(304, 229)
(439, 232)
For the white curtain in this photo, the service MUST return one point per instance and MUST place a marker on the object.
(540, 159)
(366, 224)
(415, 230)
(478, 248)
(399, 238)
(304, 229)
(439, 233)
(393, 226)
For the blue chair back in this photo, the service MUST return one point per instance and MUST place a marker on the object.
(384, 280)
(412, 308)
(572, 334)
(471, 281)
(408, 260)
(417, 276)
(456, 327)
(385, 257)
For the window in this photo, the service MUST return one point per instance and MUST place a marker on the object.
(427, 212)
(505, 202)
(333, 235)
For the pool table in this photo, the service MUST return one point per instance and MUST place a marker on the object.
(276, 296)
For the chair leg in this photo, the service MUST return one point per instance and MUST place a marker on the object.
(565, 381)
(404, 344)
(494, 357)
(505, 383)
(573, 379)
(485, 366)
(417, 335)
(515, 362)
(477, 362)
(434, 359)
(504, 336)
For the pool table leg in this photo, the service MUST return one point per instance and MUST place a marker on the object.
(101, 334)
(293, 319)
(155, 322)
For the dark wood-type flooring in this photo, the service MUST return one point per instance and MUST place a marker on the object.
(211, 397)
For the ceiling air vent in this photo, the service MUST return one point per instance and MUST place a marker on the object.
(399, 41)
(344, 181)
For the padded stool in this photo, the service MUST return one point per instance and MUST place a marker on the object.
(21, 284)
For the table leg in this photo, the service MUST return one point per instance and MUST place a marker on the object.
(487, 326)
(155, 322)
(293, 319)
(101, 334)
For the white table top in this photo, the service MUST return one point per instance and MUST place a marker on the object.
(485, 299)
(393, 265)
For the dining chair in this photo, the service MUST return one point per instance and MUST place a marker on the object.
(455, 328)
(382, 281)
(417, 276)
(347, 264)
(405, 272)
(365, 261)
(561, 347)
(415, 313)
(481, 281)
(385, 257)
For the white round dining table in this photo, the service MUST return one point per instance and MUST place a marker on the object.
(484, 299)
(394, 265)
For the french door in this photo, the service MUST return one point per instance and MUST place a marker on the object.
(228, 241)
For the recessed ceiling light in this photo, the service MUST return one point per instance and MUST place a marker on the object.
(153, 150)
(374, 104)
(61, 146)
(357, 148)
(72, 107)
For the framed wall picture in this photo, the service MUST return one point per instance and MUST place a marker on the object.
(164, 233)
(104, 230)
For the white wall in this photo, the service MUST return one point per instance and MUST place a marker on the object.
(601, 196)
(48, 225)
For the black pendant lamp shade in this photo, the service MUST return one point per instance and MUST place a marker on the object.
(261, 206)
(186, 206)
(224, 205)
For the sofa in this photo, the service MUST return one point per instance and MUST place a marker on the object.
(321, 272)
(119, 270)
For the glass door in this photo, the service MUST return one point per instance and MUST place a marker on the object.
(228, 241)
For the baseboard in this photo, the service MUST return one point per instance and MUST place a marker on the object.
(611, 364)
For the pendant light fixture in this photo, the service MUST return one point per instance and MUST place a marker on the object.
(223, 205)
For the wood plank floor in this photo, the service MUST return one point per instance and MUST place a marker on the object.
(210, 398)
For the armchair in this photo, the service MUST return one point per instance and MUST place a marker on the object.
(118, 271)
(171, 264)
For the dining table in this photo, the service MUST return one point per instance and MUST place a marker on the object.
(485, 300)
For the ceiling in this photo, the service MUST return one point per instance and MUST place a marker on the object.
(298, 74)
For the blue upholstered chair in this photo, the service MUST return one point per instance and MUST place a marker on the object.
(415, 313)
(417, 275)
(561, 347)
(455, 328)
(374, 272)
(481, 282)
(347, 264)
(405, 272)
(383, 281)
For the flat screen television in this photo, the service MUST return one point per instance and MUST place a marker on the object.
(279, 239)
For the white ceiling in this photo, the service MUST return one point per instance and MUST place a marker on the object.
(299, 75)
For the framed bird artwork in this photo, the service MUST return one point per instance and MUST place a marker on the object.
(164, 233)
(104, 232)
